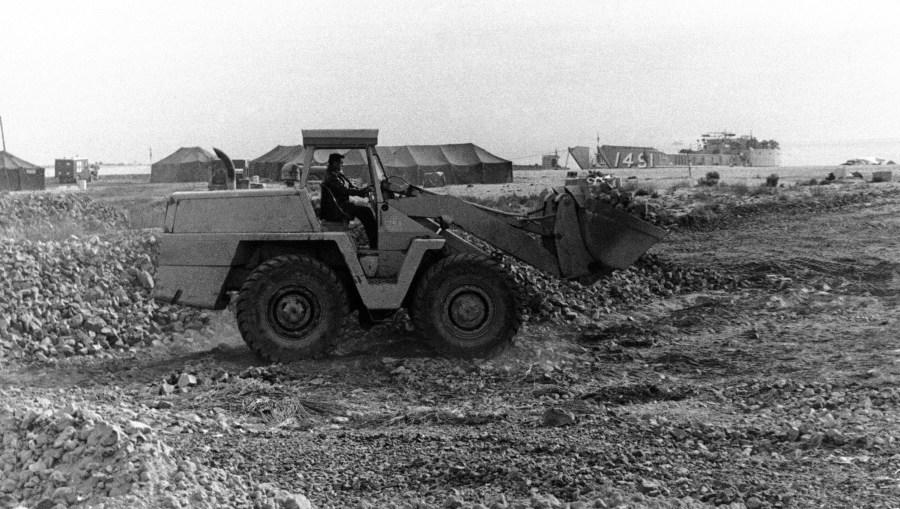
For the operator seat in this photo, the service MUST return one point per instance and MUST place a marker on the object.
(333, 217)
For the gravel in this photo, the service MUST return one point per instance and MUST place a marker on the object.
(111, 457)
(748, 395)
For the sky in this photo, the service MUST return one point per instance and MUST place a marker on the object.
(132, 81)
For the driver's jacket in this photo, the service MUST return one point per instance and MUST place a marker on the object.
(336, 192)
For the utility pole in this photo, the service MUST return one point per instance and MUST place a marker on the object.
(2, 134)
(5, 171)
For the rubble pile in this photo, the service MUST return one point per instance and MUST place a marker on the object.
(83, 296)
(605, 191)
(62, 457)
(720, 207)
(43, 212)
(718, 204)
(72, 457)
(550, 299)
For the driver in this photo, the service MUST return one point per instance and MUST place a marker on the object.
(336, 204)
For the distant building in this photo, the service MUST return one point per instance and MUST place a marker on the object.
(550, 161)
(727, 149)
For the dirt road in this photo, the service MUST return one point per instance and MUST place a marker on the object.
(780, 391)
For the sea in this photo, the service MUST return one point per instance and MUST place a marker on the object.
(819, 153)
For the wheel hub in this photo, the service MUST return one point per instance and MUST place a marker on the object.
(469, 309)
(292, 312)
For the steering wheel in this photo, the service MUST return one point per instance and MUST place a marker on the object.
(395, 186)
(371, 196)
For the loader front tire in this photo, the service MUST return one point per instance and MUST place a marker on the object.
(291, 307)
(466, 306)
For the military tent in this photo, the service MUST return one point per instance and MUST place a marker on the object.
(398, 161)
(19, 175)
(430, 160)
(187, 164)
(355, 164)
(462, 163)
(268, 166)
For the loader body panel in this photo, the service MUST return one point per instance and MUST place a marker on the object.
(194, 267)
(193, 285)
(252, 210)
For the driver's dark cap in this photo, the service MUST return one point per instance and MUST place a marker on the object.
(334, 159)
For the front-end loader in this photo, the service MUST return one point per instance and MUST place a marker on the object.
(296, 277)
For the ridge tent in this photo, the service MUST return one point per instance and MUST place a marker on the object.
(19, 175)
(355, 164)
(460, 163)
(429, 158)
(465, 164)
(268, 165)
(398, 161)
(187, 164)
(495, 170)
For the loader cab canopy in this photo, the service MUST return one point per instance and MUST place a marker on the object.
(340, 138)
(356, 145)
(356, 164)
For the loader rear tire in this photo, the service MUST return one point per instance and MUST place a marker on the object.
(466, 306)
(291, 307)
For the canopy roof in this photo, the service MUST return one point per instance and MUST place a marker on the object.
(186, 155)
(11, 162)
(345, 138)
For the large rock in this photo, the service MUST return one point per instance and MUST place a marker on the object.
(293, 501)
(145, 279)
(555, 417)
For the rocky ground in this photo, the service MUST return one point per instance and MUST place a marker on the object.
(750, 360)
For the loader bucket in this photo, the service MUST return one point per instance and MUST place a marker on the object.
(615, 239)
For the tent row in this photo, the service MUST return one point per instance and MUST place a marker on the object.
(461, 163)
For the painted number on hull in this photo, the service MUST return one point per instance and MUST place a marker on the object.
(629, 160)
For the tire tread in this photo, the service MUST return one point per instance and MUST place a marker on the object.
(254, 336)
